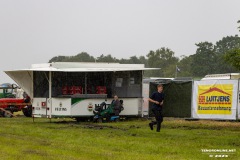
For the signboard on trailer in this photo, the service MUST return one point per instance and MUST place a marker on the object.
(61, 106)
(215, 99)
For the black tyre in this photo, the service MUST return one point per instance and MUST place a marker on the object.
(78, 119)
(27, 111)
(99, 120)
(81, 119)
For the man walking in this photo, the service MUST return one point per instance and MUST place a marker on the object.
(157, 99)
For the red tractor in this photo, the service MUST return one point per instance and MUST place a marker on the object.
(13, 99)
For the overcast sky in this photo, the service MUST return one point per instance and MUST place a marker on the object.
(34, 31)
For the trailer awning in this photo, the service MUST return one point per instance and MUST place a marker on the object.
(107, 69)
(24, 77)
(85, 69)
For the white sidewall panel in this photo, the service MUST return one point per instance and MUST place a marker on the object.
(61, 106)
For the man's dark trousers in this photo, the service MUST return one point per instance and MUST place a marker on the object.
(158, 116)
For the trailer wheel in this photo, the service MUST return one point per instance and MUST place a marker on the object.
(27, 111)
(95, 120)
(81, 119)
(99, 120)
(78, 119)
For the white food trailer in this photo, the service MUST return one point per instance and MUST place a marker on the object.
(222, 76)
(73, 89)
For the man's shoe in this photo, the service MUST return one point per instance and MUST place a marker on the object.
(151, 126)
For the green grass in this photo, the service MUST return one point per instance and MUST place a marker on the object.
(67, 139)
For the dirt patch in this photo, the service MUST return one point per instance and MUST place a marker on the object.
(99, 127)
(34, 152)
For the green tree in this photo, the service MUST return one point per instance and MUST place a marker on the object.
(143, 60)
(221, 48)
(134, 60)
(233, 57)
(107, 58)
(185, 66)
(203, 61)
(162, 58)
(82, 57)
(58, 59)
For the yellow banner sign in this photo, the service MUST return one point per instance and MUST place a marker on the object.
(215, 99)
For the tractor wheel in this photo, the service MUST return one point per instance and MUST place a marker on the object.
(27, 111)
(1, 113)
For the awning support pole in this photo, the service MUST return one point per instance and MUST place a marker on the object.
(50, 95)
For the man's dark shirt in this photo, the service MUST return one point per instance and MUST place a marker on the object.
(116, 106)
(156, 96)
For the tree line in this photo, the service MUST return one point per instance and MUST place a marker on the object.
(209, 58)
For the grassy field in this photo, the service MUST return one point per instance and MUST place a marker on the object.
(66, 139)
